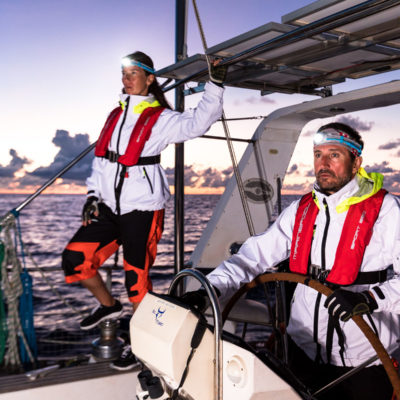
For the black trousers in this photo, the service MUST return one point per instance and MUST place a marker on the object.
(138, 232)
(371, 383)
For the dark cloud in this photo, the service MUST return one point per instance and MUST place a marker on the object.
(70, 147)
(310, 173)
(390, 145)
(292, 169)
(382, 168)
(391, 176)
(356, 123)
(205, 178)
(13, 166)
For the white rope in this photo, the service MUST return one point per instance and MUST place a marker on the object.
(236, 171)
(12, 288)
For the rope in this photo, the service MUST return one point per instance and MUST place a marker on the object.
(12, 290)
(236, 171)
(26, 304)
(3, 317)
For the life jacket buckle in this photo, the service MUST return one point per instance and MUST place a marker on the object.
(322, 276)
(112, 156)
(317, 273)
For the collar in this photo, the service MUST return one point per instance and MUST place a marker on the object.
(361, 187)
(139, 103)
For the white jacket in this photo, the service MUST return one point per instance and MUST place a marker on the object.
(139, 192)
(263, 252)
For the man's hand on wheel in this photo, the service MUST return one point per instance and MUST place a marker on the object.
(344, 304)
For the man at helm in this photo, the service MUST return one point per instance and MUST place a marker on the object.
(345, 233)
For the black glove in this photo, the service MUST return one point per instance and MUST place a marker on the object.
(344, 304)
(197, 299)
(218, 73)
(90, 208)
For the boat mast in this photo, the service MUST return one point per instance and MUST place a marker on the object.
(180, 54)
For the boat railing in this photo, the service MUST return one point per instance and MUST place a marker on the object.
(216, 310)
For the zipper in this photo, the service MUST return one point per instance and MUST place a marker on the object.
(148, 180)
(122, 123)
(323, 245)
(117, 193)
(318, 358)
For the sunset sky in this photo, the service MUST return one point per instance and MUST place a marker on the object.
(60, 76)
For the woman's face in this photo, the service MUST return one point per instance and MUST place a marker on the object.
(135, 80)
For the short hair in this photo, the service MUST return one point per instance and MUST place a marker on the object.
(341, 127)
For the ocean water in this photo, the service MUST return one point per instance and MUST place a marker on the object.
(49, 222)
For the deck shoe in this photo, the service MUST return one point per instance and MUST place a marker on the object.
(101, 313)
(126, 360)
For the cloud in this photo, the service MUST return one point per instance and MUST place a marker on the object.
(298, 187)
(382, 168)
(201, 178)
(13, 166)
(70, 147)
(391, 176)
(356, 123)
(293, 169)
(390, 145)
(253, 100)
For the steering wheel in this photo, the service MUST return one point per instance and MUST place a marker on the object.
(320, 288)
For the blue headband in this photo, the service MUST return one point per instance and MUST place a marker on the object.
(130, 62)
(336, 137)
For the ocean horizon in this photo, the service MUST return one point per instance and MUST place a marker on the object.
(48, 223)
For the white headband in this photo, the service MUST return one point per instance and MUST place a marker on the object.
(334, 136)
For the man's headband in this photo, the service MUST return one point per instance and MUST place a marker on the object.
(333, 136)
(130, 62)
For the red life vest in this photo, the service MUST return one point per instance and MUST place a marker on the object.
(140, 134)
(356, 234)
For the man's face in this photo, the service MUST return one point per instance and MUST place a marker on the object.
(334, 167)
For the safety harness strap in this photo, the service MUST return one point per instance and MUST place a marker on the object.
(318, 358)
(334, 325)
(113, 156)
(363, 278)
(195, 342)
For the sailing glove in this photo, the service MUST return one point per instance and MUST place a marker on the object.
(218, 73)
(197, 299)
(90, 209)
(344, 304)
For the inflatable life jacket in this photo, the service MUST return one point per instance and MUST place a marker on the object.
(356, 234)
(140, 134)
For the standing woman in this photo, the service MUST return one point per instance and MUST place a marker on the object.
(128, 188)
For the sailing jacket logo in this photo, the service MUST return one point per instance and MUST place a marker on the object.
(299, 231)
(355, 236)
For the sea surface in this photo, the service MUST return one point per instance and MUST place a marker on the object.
(48, 223)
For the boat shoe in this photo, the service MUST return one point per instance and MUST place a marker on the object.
(126, 360)
(101, 313)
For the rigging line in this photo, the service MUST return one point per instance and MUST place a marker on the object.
(224, 138)
(236, 171)
(245, 118)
